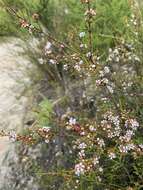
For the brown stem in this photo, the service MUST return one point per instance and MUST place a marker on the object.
(89, 28)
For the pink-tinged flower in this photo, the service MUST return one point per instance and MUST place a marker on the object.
(126, 148)
(81, 154)
(92, 128)
(62, 46)
(98, 82)
(83, 46)
(79, 169)
(82, 146)
(123, 149)
(24, 24)
(77, 128)
(77, 67)
(82, 133)
(46, 129)
(132, 123)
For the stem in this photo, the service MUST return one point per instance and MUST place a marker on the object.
(89, 28)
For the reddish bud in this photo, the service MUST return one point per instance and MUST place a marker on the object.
(77, 128)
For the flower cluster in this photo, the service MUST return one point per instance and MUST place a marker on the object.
(103, 80)
(28, 26)
(90, 13)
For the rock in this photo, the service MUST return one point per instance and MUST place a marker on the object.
(15, 98)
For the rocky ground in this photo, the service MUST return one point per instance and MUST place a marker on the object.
(16, 97)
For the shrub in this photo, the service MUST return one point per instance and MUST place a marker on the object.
(94, 138)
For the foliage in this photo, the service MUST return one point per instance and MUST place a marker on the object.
(44, 112)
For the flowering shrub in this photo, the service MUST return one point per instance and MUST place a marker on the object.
(94, 130)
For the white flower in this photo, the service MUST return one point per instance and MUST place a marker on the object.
(79, 169)
(101, 73)
(141, 146)
(48, 46)
(47, 141)
(82, 133)
(93, 65)
(81, 62)
(65, 67)
(90, 12)
(95, 161)
(106, 70)
(116, 51)
(88, 54)
(100, 169)
(105, 80)
(83, 46)
(99, 178)
(104, 122)
(126, 148)
(117, 59)
(46, 129)
(137, 59)
(41, 61)
(130, 146)
(81, 154)
(110, 89)
(110, 50)
(66, 11)
(52, 61)
(82, 146)
(12, 136)
(128, 135)
(115, 120)
(132, 123)
(123, 149)
(81, 34)
(98, 82)
(112, 155)
(72, 121)
(100, 142)
(92, 128)
(104, 99)
(77, 67)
